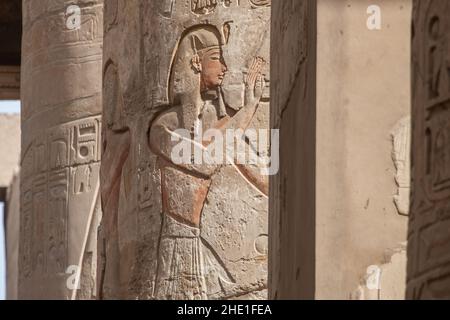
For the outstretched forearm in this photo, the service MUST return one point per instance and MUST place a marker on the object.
(163, 141)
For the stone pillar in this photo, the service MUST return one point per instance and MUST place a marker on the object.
(61, 126)
(172, 229)
(429, 224)
(293, 112)
(9, 194)
(12, 232)
(339, 205)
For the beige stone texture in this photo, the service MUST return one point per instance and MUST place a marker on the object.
(61, 128)
(341, 147)
(386, 281)
(9, 147)
(362, 92)
(182, 230)
(140, 225)
(12, 228)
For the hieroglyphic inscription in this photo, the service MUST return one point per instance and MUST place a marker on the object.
(429, 240)
(189, 267)
(203, 6)
(59, 166)
(154, 245)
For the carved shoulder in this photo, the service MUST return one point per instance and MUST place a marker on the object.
(168, 119)
(159, 136)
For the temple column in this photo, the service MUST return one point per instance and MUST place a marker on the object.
(178, 229)
(61, 126)
(293, 112)
(340, 98)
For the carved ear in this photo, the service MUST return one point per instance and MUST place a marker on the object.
(196, 63)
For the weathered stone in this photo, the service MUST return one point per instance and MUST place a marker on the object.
(401, 155)
(9, 147)
(12, 232)
(182, 230)
(332, 205)
(429, 236)
(386, 281)
(293, 112)
(61, 126)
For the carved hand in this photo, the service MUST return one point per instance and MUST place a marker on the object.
(254, 83)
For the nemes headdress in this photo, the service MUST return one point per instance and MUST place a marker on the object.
(204, 39)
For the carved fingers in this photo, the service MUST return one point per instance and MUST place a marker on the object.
(254, 81)
(259, 87)
(254, 71)
(203, 5)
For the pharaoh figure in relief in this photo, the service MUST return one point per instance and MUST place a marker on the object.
(183, 230)
(185, 258)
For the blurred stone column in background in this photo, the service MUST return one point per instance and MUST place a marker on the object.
(61, 126)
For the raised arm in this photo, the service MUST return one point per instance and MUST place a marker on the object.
(254, 87)
(165, 140)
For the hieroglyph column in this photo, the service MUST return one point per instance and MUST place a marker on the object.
(174, 227)
(429, 221)
(61, 126)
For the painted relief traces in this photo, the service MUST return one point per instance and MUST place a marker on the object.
(189, 267)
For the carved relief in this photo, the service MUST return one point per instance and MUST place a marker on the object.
(115, 150)
(85, 142)
(46, 210)
(401, 139)
(203, 6)
(59, 149)
(111, 9)
(260, 3)
(187, 262)
(166, 227)
(429, 222)
(437, 101)
(61, 63)
(25, 254)
(57, 246)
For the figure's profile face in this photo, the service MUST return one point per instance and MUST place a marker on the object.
(213, 69)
